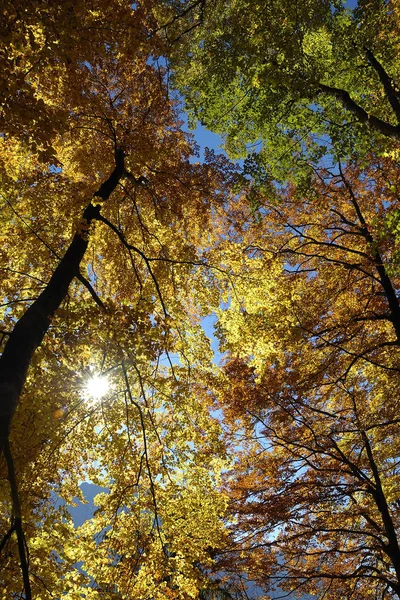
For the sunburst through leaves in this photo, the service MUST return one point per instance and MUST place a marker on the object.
(96, 387)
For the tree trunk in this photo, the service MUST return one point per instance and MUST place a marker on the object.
(30, 330)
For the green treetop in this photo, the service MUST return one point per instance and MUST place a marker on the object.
(294, 79)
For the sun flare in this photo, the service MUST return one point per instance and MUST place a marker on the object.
(97, 387)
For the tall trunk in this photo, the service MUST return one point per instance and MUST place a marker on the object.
(30, 330)
(392, 548)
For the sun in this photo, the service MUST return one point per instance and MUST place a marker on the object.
(97, 387)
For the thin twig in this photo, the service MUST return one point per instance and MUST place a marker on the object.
(145, 448)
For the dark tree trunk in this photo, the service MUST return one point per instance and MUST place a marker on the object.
(30, 330)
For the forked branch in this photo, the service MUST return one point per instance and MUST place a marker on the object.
(374, 122)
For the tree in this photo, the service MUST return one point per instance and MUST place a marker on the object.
(312, 332)
(311, 388)
(289, 82)
(105, 234)
(114, 245)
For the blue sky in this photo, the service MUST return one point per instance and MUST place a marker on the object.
(205, 138)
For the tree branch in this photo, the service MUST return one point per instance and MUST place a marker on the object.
(374, 122)
(6, 537)
(392, 549)
(90, 289)
(145, 447)
(181, 15)
(386, 81)
(18, 520)
(385, 281)
(130, 247)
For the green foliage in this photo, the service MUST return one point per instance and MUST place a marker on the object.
(263, 72)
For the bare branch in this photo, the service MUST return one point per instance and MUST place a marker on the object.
(90, 289)
(7, 536)
(145, 447)
(18, 520)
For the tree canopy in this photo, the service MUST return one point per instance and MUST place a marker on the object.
(312, 378)
(280, 466)
(106, 227)
(308, 94)
(292, 80)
